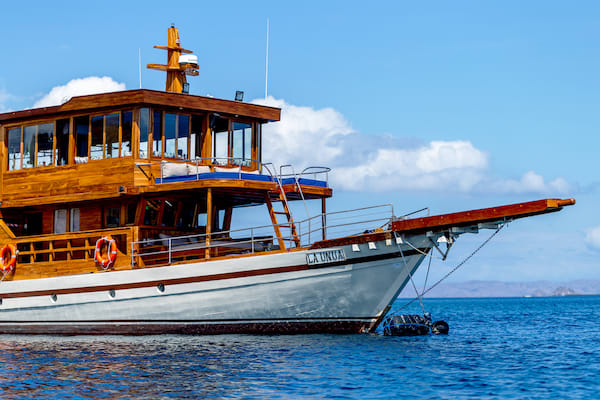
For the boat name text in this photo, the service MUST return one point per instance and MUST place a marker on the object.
(327, 256)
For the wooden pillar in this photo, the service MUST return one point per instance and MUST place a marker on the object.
(206, 150)
(227, 218)
(209, 220)
(323, 217)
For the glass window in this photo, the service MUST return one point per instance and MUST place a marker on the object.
(157, 134)
(62, 142)
(169, 213)
(242, 143)
(220, 128)
(183, 128)
(29, 146)
(151, 212)
(97, 147)
(195, 144)
(81, 139)
(74, 220)
(170, 134)
(113, 215)
(60, 221)
(111, 130)
(14, 149)
(144, 129)
(45, 138)
(127, 124)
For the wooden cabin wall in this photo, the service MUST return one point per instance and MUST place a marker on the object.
(93, 180)
(48, 221)
(90, 218)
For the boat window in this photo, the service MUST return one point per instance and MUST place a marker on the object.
(183, 129)
(242, 143)
(195, 135)
(29, 146)
(220, 128)
(168, 218)
(176, 135)
(126, 134)
(186, 216)
(112, 217)
(151, 212)
(170, 135)
(74, 220)
(37, 145)
(45, 138)
(62, 142)
(144, 130)
(81, 139)
(111, 130)
(14, 149)
(97, 138)
(60, 220)
(157, 133)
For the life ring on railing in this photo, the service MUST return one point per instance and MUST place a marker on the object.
(108, 259)
(8, 257)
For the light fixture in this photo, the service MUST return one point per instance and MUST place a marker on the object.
(239, 95)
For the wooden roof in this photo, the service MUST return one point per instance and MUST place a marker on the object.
(184, 102)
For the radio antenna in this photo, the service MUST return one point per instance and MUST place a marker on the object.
(267, 61)
(140, 64)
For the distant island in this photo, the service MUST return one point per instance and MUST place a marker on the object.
(509, 289)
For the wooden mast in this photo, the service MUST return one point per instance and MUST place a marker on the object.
(177, 68)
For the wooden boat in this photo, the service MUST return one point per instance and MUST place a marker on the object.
(116, 217)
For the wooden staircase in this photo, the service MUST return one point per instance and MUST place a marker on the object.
(281, 198)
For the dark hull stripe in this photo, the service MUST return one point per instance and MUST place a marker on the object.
(200, 328)
(206, 278)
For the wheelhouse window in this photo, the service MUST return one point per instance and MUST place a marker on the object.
(234, 141)
(170, 135)
(242, 143)
(220, 129)
(82, 127)
(14, 149)
(30, 147)
(63, 127)
(144, 132)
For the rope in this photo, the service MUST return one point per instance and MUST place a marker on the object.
(411, 279)
(428, 267)
(455, 268)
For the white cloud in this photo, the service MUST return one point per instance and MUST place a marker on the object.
(306, 136)
(531, 182)
(592, 237)
(78, 87)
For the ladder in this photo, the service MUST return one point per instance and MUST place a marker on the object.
(282, 199)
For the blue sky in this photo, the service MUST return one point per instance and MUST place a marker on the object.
(509, 91)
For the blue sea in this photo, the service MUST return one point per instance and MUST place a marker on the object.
(525, 348)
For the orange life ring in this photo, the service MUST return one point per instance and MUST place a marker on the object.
(108, 259)
(8, 262)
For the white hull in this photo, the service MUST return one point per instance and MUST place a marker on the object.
(257, 293)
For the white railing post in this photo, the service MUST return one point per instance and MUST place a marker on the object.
(170, 251)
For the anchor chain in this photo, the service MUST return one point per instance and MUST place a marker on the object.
(419, 297)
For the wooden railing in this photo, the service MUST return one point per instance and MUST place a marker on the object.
(71, 246)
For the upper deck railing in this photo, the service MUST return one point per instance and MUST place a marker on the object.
(237, 168)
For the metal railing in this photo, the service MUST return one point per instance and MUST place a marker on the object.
(232, 164)
(166, 250)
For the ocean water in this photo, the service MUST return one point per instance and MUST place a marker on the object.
(526, 348)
